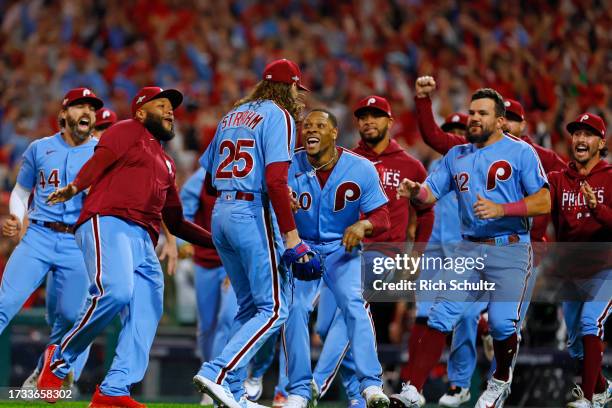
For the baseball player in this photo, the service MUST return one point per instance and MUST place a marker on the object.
(216, 300)
(462, 357)
(374, 119)
(247, 164)
(132, 188)
(581, 198)
(499, 182)
(332, 187)
(105, 118)
(48, 244)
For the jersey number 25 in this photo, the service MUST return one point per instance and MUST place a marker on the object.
(229, 167)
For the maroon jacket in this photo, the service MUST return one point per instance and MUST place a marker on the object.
(393, 165)
(574, 221)
(442, 142)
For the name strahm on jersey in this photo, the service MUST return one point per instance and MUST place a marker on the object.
(247, 118)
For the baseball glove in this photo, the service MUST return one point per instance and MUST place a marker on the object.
(306, 271)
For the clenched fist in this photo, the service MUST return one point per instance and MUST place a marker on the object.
(408, 189)
(11, 226)
(424, 86)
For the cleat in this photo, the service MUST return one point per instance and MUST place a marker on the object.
(30, 384)
(47, 380)
(600, 400)
(580, 401)
(295, 401)
(246, 403)
(254, 388)
(206, 400)
(495, 395)
(375, 397)
(280, 399)
(357, 403)
(454, 397)
(219, 393)
(99, 400)
(409, 397)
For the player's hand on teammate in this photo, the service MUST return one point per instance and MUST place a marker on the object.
(487, 209)
(589, 195)
(12, 226)
(424, 86)
(353, 235)
(408, 189)
(62, 194)
(293, 201)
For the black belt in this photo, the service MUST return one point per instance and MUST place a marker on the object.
(503, 240)
(239, 195)
(55, 226)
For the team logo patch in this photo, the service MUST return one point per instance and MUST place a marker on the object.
(86, 92)
(584, 117)
(371, 101)
(500, 170)
(105, 114)
(348, 191)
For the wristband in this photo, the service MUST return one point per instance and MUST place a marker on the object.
(516, 209)
(421, 197)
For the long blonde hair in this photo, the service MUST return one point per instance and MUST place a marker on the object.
(278, 92)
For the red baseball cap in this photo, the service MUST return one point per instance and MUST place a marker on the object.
(514, 109)
(454, 121)
(590, 122)
(105, 117)
(77, 95)
(285, 71)
(373, 102)
(148, 93)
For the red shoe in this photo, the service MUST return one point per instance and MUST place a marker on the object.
(47, 380)
(100, 400)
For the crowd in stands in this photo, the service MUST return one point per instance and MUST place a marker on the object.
(554, 56)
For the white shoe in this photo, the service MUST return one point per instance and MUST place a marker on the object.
(254, 388)
(295, 401)
(495, 395)
(30, 384)
(206, 400)
(220, 393)
(455, 397)
(246, 403)
(375, 397)
(600, 400)
(409, 397)
(580, 401)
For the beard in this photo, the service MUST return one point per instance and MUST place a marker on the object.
(77, 134)
(374, 140)
(481, 138)
(155, 126)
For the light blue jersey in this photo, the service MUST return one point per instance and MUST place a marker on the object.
(249, 138)
(353, 188)
(503, 172)
(447, 227)
(48, 164)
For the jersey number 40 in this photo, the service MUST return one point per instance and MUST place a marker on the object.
(229, 166)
